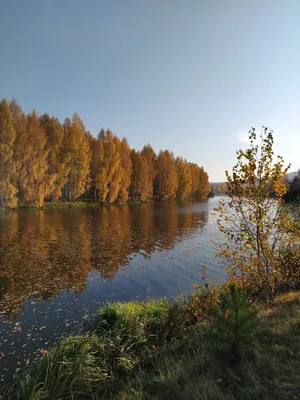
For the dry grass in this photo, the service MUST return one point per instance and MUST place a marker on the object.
(269, 370)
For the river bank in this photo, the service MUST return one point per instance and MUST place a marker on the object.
(73, 204)
(92, 204)
(161, 350)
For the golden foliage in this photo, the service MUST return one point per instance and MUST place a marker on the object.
(253, 217)
(43, 160)
(8, 189)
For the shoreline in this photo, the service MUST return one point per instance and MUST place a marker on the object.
(91, 204)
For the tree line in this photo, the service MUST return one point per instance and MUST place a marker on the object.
(42, 159)
(293, 193)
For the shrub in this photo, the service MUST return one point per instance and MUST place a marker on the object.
(235, 325)
(290, 266)
(203, 304)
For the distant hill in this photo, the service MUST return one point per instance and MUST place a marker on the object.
(217, 187)
(291, 175)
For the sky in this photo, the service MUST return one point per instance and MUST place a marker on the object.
(191, 76)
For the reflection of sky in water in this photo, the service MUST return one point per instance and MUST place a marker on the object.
(58, 267)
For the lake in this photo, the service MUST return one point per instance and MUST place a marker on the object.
(58, 266)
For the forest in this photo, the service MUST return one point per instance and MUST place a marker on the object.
(44, 160)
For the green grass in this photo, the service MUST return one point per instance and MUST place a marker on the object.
(154, 350)
(84, 204)
(59, 204)
(70, 204)
(74, 204)
(120, 339)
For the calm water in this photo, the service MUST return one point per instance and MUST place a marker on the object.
(58, 266)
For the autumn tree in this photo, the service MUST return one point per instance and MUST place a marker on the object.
(89, 188)
(97, 155)
(57, 169)
(204, 185)
(200, 182)
(20, 125)
(184, 179)
(195, 179)
(167, 179)
(31, 156)
(76, 158)
(139, 178)
(149, 156)
(8, 190)
(125, 170)
(109, 179)
(116, 177)
(255, 223)
(41, 159)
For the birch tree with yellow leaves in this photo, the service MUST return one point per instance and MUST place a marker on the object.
(253, 217)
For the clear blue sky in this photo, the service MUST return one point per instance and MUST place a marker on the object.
(191, 76)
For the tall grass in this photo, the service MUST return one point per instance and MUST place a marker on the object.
(121, 338)
(75, 204)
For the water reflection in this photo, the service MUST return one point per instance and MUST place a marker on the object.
(44, 252)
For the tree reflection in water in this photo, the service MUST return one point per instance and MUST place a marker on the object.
(44, 252)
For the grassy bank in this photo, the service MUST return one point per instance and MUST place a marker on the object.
(83, 204)
(74, 204)
(159, 350)
(87, 204)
